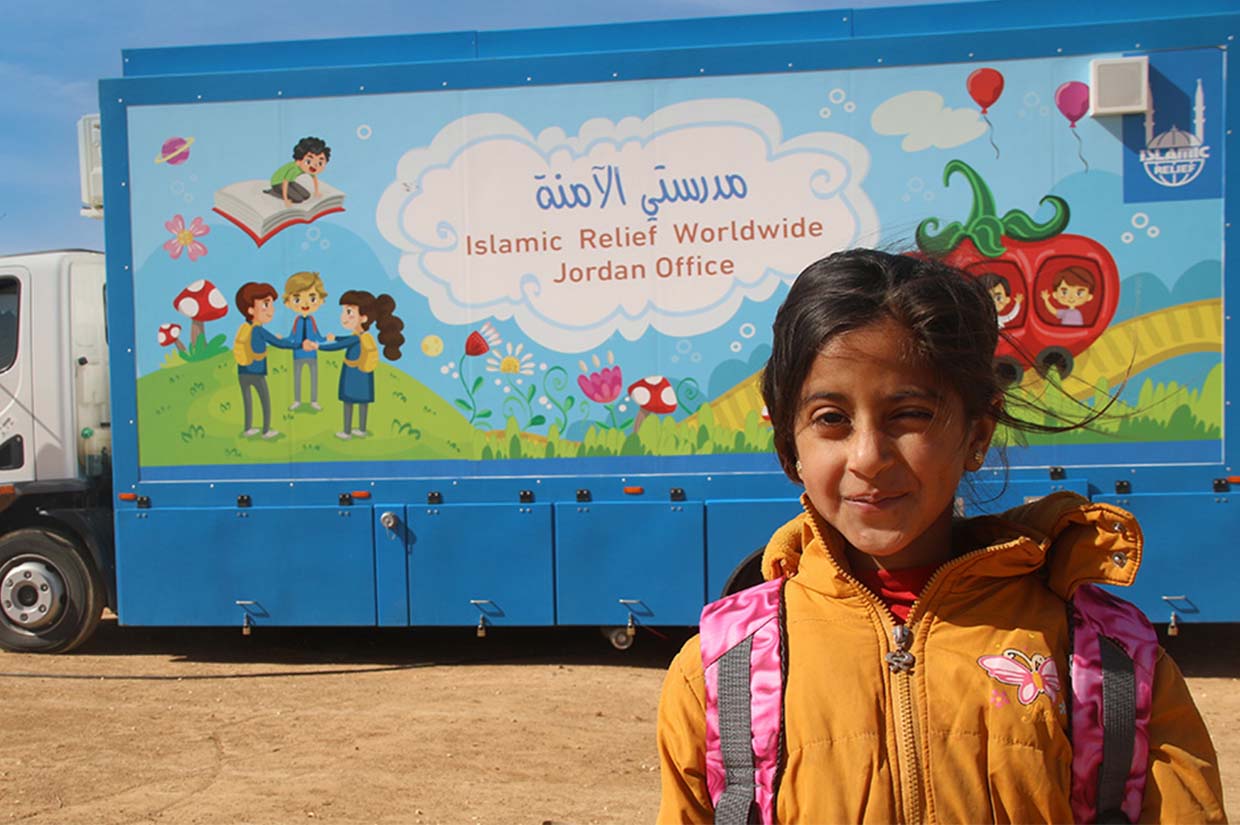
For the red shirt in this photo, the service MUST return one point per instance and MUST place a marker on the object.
(897, 589)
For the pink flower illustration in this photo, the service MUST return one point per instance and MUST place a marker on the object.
(998, 698)
(602, 386)
(185, 239)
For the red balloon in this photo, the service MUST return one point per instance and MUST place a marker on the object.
(985, 86)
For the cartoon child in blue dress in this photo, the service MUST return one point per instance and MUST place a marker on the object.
(358, 310)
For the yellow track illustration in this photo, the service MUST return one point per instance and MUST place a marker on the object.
(1122, 351)
(1135, 345)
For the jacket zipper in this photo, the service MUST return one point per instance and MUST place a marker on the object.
(900, 661)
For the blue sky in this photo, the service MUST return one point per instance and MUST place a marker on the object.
(56, 51)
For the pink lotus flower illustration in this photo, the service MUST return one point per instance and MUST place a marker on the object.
(603, 387)
(185, 239)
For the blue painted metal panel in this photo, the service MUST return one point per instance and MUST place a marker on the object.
(615, 557)
(667, 34)
(735, 529)
(258, 57)
(297, 565)
(468, 561)
(1183, 536)
(982, 497)
(999, 17)
(391, 566)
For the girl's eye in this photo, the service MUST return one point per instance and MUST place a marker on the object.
(914, 417)
(830, 418)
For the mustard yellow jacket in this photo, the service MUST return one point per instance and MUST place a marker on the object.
(946, 742)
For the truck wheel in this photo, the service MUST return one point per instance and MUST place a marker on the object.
(618, 636)
(747, 574)
(50, 595)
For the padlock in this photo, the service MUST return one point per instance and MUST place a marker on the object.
(482, 627)
(1173, 626)
(631, 630)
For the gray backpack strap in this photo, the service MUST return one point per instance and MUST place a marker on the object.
(1119, 711)
(736, 806)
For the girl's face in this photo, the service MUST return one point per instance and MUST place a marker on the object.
(883, 446)
(350, 319)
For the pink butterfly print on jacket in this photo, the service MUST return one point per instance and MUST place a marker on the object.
(1033, 675)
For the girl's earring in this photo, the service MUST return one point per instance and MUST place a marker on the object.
(979, 458)
(798, 468)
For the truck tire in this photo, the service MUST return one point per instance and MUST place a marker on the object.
(747, 574)
(51, 597)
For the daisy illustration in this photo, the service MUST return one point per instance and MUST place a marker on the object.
(514, 361)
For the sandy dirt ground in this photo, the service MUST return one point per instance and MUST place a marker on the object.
(548, 726)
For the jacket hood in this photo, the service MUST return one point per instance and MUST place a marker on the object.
(1070, 539)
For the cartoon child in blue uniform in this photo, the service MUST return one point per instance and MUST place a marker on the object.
(256, 302)
(303, 295)
(358, 311)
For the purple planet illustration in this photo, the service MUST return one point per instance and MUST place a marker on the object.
(175, 151)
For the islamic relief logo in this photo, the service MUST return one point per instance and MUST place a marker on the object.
(1175, 158)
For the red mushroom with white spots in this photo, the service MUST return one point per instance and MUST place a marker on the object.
(654, 395)
(200, 302)
(170, 334)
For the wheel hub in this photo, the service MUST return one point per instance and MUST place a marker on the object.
(31, 594)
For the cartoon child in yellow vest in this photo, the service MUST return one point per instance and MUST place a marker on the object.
(256, 302)
(358, 310)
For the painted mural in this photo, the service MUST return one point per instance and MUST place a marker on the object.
(585, 271)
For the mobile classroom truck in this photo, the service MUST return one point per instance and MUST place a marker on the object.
(586, 233)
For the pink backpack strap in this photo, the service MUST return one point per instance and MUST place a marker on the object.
(1114, 653)
(742, 656)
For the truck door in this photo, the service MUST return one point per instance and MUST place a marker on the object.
(16, 417)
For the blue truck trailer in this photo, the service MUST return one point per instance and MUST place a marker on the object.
(465, 329)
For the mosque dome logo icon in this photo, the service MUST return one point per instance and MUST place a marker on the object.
(1175, 158)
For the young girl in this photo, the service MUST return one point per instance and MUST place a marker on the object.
(358, 310)
(923, 654)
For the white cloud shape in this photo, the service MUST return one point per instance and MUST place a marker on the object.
(634, 189)
(925, 122)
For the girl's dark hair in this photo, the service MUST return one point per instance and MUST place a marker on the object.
(950, 315)
(379, 311)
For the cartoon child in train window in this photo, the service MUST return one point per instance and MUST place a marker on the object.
(1007, 305)
(1075, 287)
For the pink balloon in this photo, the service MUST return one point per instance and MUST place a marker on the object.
(1072, 98)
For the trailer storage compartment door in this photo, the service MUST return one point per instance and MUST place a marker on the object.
(738, 528)
(617, 558)
(215, 565)
(471, 562)
(1180, 571)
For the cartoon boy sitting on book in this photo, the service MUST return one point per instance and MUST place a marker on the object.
(310, 157)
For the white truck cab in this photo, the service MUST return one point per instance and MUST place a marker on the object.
(55, 445)
(53, 368)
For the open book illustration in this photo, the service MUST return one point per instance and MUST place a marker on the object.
(261, 215)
